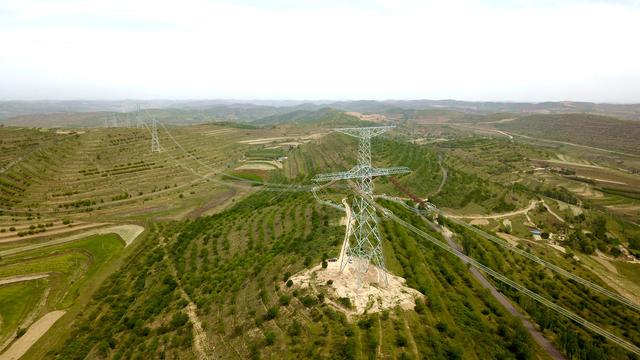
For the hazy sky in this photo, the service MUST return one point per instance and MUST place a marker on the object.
(470, 50)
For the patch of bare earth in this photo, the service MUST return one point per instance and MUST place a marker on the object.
(604, 262)
(215, 202)
(479, 222)
(21, 278)
(372, 296)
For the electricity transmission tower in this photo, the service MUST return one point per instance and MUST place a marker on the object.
(114, 119)
(139, 123)
(366, 246)
(106, 123)
(155, 142)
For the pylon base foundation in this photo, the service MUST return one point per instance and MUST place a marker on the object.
(370, 297)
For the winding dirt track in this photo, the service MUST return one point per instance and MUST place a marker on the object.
(532, 205)
(444, 177)
(35, 331)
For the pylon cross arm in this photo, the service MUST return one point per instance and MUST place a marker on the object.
(364, 132)
(361, 172)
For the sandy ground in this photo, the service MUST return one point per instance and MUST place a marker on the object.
(261, 141)
(371, 297)
(255, 166)
(35, 331)
(128, 233)
(203, 350)
(260, 165)
(20, 278)
(559, 248)
(513, 240)
(479, 222)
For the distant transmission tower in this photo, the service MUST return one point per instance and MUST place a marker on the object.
(114, 119)
(106, 123)
(139, 122)
(366, 246)
(155, 142)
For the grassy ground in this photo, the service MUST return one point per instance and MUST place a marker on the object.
(17, 300)
(70, 267)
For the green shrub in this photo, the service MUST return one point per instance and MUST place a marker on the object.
(270, 338)
(344, 301)
(271, 313)
(284, 300)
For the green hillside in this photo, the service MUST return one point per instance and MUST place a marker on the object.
(585, 129)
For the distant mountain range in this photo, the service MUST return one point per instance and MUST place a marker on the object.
(251, 110)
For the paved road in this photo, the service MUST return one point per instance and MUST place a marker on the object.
(537, 336)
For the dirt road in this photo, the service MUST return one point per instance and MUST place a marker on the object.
(551, 212)
(35, 331)
(444, 177)
(530, 207)
(15, 279)
(535, 334)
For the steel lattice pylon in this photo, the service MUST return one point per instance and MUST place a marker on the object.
(155, 142)
(366, 246)
(139, 122)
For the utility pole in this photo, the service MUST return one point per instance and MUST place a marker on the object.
(366, 246)
(155, 142)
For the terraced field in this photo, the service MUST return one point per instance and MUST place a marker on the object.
(210, 278)
(111, 173)
(39, 281)
(233, 267)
